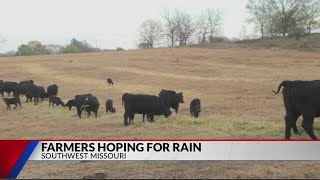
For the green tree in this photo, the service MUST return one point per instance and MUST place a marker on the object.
(71, 49)
(32, 48)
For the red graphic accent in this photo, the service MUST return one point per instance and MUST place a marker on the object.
(10, 151)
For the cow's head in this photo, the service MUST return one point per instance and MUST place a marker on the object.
(180, 97)
(69, 103)
(62, 104)
(196, 112)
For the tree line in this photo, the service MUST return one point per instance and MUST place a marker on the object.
(284, 17)
(178, 27)
(292, 18)
(37, 48)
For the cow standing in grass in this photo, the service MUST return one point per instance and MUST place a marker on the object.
(109, 81)
(8, 87)
(14, 100)
(143, 104)
(300, 98)
(171, 99)
(52, 90)
(195, 107)
(55, 101)
(87, 102)
(22, 89)
(109, 106)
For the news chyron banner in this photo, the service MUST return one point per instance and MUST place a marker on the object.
(14, 154)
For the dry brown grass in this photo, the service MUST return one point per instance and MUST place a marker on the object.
(234, 86)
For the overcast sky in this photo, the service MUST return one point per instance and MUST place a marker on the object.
(111, 23)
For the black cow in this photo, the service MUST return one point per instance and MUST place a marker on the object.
(35, 93)
(300, 98)
(71, 103)
(42, 92)
(27, 82)
(14, 100)
(8, 87)
(52, 90)
(109, 81)
(195, 107)
(54, 100)
(22, 89)
(143, 104)
(84, 101)
(171, 99)
(91, 104)
(109, 106)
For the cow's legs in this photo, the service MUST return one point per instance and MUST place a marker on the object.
(131, 118)
(294, 125)
(79, 111)
(307, 125)
(176, 108)
(290, 122)
(125, 119)
(150, 117)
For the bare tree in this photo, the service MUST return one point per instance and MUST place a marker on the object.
(215, 18)
(259, 14)
(208, 23)
(150, 32)
(310, 15)
(170, 26)
(185, 27)
(202, 27)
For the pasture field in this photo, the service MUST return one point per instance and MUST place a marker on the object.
(234, 86)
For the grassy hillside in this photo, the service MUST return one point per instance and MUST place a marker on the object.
(234, 86)
(305, 43)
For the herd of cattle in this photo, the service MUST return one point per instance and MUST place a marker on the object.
(147, 105)
(300, 98)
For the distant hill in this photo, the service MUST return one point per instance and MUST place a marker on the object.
(308, 42)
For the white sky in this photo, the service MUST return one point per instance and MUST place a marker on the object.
(111, 23)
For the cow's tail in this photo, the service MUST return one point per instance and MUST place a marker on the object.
(123, 97)
(283, 83)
